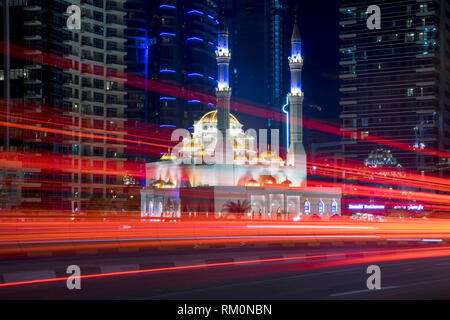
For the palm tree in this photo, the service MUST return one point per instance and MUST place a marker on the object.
(237, 207)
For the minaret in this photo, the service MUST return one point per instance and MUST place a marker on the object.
(296, 155)
(223, 90)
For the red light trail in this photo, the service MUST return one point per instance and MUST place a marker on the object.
(379, 256)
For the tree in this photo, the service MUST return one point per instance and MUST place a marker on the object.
(238, 206)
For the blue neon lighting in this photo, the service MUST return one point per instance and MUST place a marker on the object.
(195, 39)
(191, 128)
(167, 34)
(211, 78)
(194, 101)
(195, 12)
(211, 17)
(195, 75)
(211, 104)
(212, 43)
(167, 70)
(287, 121)
(167, 6)
(167, 126)
(167, 98)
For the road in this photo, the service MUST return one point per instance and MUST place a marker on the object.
(284, 273)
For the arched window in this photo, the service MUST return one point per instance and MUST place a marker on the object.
(150, 209)
(307, 207)
(321, 207)
(334, 207)
(144, 210)
(160, 209)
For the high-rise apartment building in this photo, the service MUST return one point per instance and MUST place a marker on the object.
(33, 90)
(182, 45)
(395, 81)
(86, 94)
(137, 59)
(258, 71)
(94, 99)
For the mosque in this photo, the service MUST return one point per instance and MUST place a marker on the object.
(220, 165)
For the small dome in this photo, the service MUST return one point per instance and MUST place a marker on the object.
(252, 183)
(286, 183)
(168, 156)
(211, 117)
(158, 184)
(267, 180)
(169, 185)
(240, 158)
(270, 156)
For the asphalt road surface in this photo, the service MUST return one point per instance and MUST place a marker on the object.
(285, 280)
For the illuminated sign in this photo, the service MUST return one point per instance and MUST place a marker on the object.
(366, 206)
(410, 207)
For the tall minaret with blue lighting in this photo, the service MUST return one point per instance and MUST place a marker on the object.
(296, 154)
(223, 90)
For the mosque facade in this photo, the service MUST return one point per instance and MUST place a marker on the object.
(220, 163)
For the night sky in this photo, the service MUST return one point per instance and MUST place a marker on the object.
(319, 28)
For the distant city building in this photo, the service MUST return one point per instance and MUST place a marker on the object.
(86, 95)
(395, 81)
(258, 71)
(182, 41)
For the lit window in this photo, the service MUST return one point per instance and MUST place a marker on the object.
(321, 207)
(409, 37)
(334, 207)
(409, 23)
(307, 207)
(423, 8)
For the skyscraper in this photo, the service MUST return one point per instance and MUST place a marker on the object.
(85, 95)
(182, 53)
(258, 71)
(395, 81)
(96, 101)
(137, 58)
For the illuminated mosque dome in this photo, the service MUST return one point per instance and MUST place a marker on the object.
(168, 156)
(211, 117)
(204, 138)
(267, 180)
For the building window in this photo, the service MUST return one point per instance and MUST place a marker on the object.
(307, 207)
(321, 207)
(424, 8)
(334, 207)
(410, 92)
(409, 23)
(409, 37)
